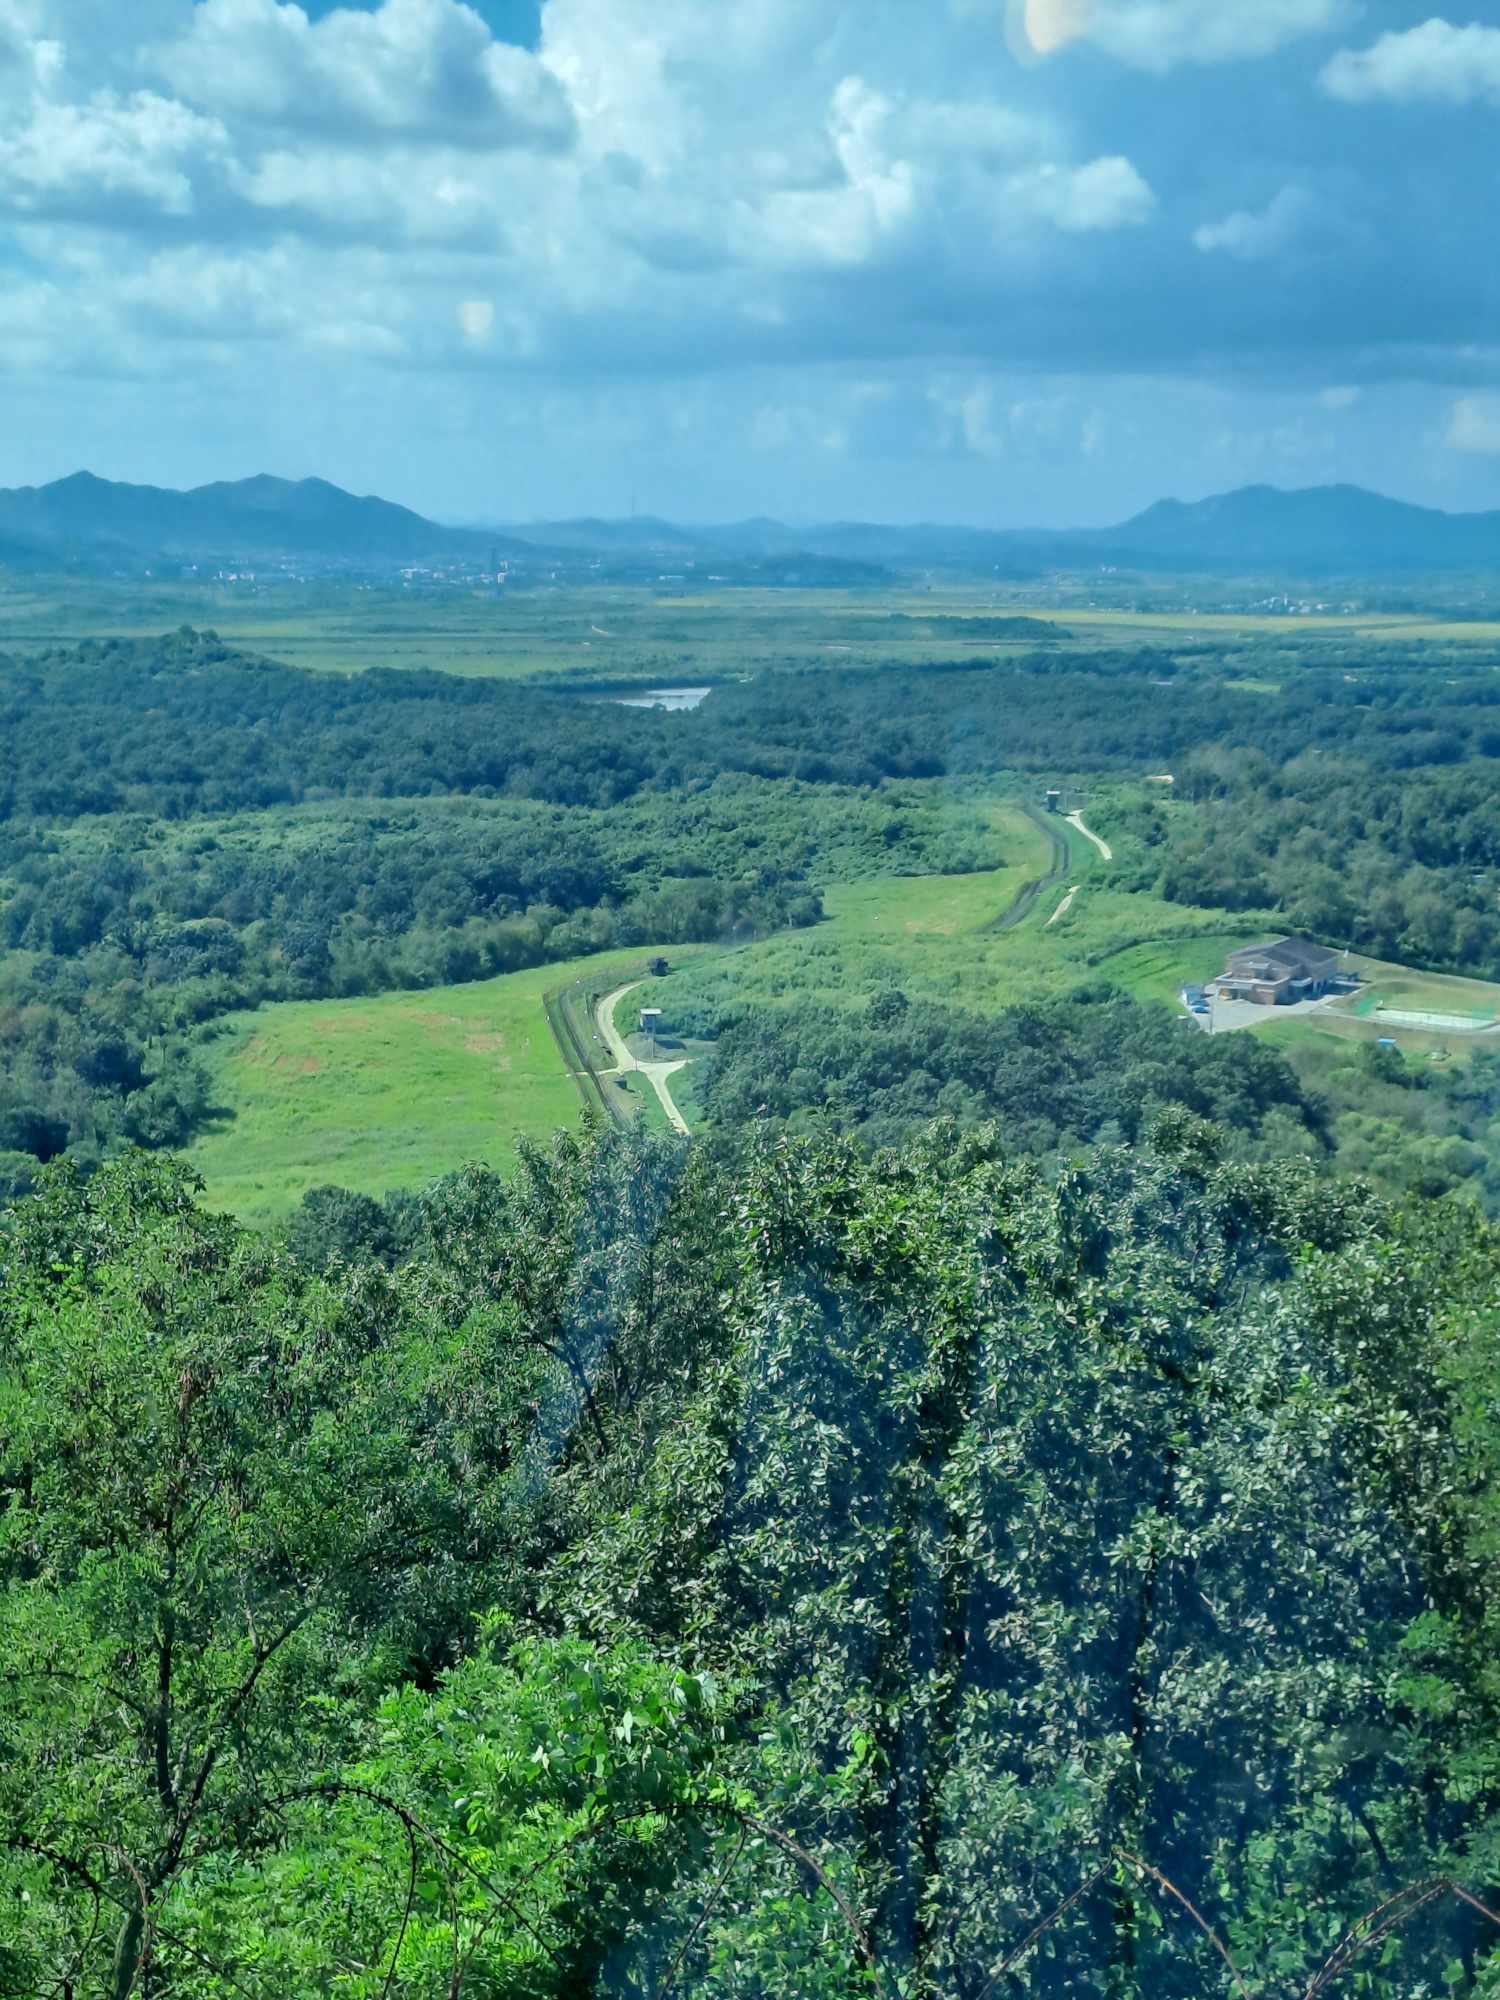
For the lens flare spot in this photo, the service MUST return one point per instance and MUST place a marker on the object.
(476, 321)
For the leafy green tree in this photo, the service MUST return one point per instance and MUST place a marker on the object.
(333, 1224)
(216, 1474)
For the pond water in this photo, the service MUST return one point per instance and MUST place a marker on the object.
(673, 698)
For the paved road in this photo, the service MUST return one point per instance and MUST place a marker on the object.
(1076, 819)
(1062, 909)
(657, 1074)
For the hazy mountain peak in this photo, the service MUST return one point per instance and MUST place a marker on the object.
(1258, 528)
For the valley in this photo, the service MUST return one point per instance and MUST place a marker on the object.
(322, 944)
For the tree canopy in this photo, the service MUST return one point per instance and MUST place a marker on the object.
(818, 1573)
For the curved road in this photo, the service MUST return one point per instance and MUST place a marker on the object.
(658, 1074)
(1076, 819)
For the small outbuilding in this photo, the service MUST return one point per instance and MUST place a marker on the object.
(658, 968)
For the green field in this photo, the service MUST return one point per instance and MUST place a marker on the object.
(395, 1091)
(1423, 992)
(1160, 970)
(386, 1093)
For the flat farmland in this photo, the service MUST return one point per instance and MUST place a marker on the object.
(639, 636)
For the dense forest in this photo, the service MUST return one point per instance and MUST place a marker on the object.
(1094, 1066)
(808, 1574)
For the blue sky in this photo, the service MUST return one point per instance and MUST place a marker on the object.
(1004, 261)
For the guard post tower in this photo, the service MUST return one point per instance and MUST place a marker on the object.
(651, 1025)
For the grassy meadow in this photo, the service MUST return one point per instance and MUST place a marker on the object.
(389, 1092)
(1411, 991)
(938, 938)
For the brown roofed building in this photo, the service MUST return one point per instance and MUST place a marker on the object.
(1275, 975)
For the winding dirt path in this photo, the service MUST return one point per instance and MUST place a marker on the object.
(1076, 820)
(658, 1074)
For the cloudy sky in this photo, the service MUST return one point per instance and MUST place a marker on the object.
(1004, 261)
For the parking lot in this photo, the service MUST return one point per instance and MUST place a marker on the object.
(1228, 1017)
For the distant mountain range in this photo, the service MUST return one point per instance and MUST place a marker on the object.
(1320, 530)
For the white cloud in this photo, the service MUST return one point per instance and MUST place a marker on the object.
(981, 418)
(910, 175)
(1254, 236)
(847, 223)
(1342, 396)
(199, 294)
(410, 68)
(685, 188)
(975, 130)
(1474, 424)
(1105, 194)
(402, 195)
(140, 151)
(979, 424)
(25, 45)
(1436, 63)
(1162, 35)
